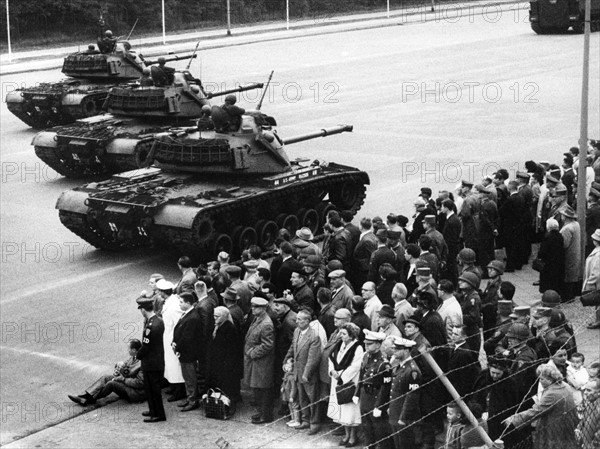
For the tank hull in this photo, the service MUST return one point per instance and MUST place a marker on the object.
(98, 146)
(201, 214)
(558, 16)
(52, 104)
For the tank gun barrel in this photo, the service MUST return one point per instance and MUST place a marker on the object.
(323, 133)
(172, 58)
(220, 93)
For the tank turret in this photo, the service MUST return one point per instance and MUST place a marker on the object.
(92, 74)
(214, 191)
(111, 143)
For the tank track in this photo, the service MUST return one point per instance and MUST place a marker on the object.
(233, 226)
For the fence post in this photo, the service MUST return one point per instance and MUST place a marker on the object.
(8, 33)
(228, 17)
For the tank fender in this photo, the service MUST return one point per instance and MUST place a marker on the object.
(121, 146)
(72, 201)
(73, 99)
(44, 139)
(177, 216)
(14, 96)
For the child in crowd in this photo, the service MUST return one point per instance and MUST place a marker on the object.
(289, 394)
(470, 438)
(456, 424)
(577, 375)
(594, 370)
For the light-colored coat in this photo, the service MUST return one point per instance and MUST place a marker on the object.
(572, 237)
(171, 314)
(305, 352)
(346, 414)
(591, 278)
(259, 353)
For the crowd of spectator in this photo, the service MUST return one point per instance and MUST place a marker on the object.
(358, 306)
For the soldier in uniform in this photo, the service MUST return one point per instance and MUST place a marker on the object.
(153, 360)
(107, 43)
(522, 358)
(373, 391)
(162, 75)
(234, 112)
(146, 79)
(404, 400)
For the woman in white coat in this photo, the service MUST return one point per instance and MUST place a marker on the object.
(171, 313)
(344, 366)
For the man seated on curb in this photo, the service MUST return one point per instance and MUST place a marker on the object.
(127, 381)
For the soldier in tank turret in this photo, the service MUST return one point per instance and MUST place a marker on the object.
(146, 78)
(107, 43)
(205, 122)
(162, 74)
(91, 50)
(234, 112)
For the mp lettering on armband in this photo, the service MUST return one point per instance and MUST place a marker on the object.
(413, 387)
(146, 340)
(387, 380)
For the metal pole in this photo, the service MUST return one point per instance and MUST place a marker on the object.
(8, 33)
(440, 374)
(388, 9)
(583, 132)
(287, 14)
(228, 17)
(163, 23)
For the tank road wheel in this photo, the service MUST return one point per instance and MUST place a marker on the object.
(323, 209)
(243, 237)
(309, 218)
(204, 228)
(221, 242)
(89, 108)
(347, 196)
(289, 222)
(266, 232)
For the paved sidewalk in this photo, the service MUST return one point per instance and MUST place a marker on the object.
(217, 38)
(119, 424)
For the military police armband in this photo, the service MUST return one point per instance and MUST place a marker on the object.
(387, 380)
(413, 387)
(146, 340)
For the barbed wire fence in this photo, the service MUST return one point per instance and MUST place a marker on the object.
(578, 321)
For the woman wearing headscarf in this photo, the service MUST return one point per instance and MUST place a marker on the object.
(552, 254)
(344, 367)
(554, 412)
(225, 361)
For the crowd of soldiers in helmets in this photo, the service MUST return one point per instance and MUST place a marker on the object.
(435, 286)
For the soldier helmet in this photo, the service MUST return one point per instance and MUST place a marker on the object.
(557, 318)
(146, 71)
(551, 299)
(196, 90)
(519, 331)
(91, 47)
(470, 278)
(230, 99)
(108, 33)
(467, 255)
(497, 265)
(161, 60)
(206, 109)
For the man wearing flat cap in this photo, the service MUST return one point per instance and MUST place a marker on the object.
(405, 394)
(153, 361)
(375, 378)
(259, 357)
(341, 293)
(301, 294)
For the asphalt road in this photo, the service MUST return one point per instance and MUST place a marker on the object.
(430, 103)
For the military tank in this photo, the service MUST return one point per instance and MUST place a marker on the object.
(91, 74)
(121, 140)
(557, 16)
(217, 190)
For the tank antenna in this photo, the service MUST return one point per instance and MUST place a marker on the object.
(132, 28)
(265, 91)
(193, 56)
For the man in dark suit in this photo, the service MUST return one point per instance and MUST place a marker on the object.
(285, 325)
(288, 266)
(463, 368)
(422, 209)
(361, 257)
(526, 192)
(302, 295)
(353, 230)
(451, 234)
(383, 254)
(512, 218)
(305, 351)
(340, 242)
(188, 278)
(187, 345)
(152, 356)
